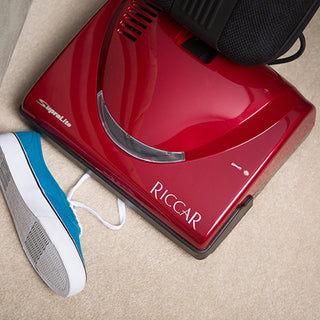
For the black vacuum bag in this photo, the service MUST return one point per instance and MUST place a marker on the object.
(249, 32)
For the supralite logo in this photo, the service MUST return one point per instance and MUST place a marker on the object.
(51, 111)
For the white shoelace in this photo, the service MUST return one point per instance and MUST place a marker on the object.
(74, 204)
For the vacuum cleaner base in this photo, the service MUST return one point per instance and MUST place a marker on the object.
(185, 135)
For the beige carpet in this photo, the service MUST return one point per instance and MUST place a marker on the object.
(267, 268)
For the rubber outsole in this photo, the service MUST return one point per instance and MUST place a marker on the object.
(44, 238)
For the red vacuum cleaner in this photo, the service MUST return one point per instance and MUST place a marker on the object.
(181, 132)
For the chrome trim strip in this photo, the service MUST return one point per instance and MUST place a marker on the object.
(129, 144)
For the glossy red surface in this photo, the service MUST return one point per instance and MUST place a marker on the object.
(172, 102)
(236, 124)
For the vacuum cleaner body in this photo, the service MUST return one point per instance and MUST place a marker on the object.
(185, 135)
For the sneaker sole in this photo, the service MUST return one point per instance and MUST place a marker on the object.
(44, 238)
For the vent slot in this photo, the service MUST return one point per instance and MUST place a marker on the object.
(128, 35)
(152, 6)
(133, 29)
(133, 20)
(146, 10)
(136, 18)
(142, 16)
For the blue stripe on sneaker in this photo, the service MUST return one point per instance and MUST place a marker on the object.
(31, 144)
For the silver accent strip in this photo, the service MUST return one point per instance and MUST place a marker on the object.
(129, 144)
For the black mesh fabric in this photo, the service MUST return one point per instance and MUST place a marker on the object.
(257, 29)
(165, 4)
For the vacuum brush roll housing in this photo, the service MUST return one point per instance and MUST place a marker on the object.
(184, 134)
